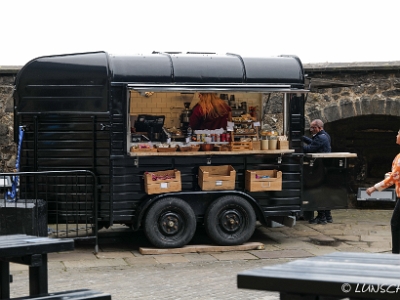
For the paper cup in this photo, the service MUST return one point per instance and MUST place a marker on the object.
(264, 144)
(272, 144)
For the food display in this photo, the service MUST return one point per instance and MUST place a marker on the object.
(269, 133)
(207, 147)
(242, 134)
(242, 130)
(166, 148)
(145, 147)
(189, 148)
(244, 118)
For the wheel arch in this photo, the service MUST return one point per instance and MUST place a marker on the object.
(144, 207)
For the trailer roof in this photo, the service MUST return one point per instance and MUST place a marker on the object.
(164, 69)
(82, 81)
(183, 72)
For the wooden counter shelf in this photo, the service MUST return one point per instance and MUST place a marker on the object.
(332, 154)
(210, 153)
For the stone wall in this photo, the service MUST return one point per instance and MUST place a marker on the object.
(8, 148)
(359, 89)
(374, 90)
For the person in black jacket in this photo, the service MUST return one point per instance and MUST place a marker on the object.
(320, 142)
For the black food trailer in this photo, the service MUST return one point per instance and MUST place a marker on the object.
(81, 111)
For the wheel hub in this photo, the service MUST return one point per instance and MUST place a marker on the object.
(231, 220)
(170, 223)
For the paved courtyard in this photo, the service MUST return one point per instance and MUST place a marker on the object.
(120, 269)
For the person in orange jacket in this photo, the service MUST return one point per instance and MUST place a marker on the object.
(392, 177)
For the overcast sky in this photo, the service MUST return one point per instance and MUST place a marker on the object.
(317, 31)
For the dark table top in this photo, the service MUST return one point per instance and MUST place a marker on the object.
(17, 245)
(340, 274)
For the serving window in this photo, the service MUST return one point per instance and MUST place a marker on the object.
(150, 110)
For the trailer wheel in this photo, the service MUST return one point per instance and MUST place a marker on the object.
(230, 220)
(170, 223)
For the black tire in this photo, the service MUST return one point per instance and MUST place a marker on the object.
(230, 220)
(181, 224)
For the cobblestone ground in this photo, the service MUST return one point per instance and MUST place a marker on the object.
(121, 270)
(209, 280)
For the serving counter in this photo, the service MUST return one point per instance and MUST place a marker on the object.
(210, 153)
(332, 155)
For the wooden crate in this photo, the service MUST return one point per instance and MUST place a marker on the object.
(160, 186)
(241, 146)
(256, 145)
(213, 178)
(283, 145)
(254, 184)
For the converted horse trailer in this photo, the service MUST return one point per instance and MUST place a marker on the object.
(82, 111)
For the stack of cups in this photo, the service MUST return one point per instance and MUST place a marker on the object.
(264, 144)
(272, 143)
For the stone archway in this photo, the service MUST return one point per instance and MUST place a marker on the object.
(366, 125)
(349, 108)
(372, 137)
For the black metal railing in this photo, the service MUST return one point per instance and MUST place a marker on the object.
(61, 204)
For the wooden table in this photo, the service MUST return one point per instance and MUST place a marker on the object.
(31, 251)
(332, 276)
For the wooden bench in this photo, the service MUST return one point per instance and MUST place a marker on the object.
(70, 295)
(333, 276)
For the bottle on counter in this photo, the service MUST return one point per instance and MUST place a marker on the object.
(189, 132)
(228, 137)
(188, 135)
(223, 137)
